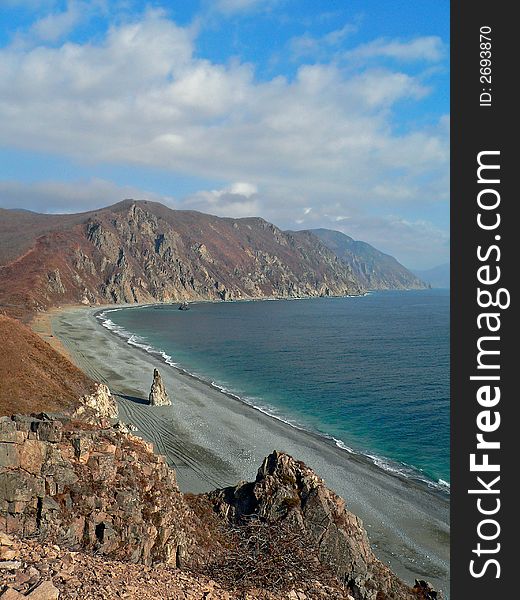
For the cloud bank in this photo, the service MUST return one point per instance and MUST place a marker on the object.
(142, 96)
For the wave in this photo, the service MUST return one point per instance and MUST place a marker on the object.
(385, 464)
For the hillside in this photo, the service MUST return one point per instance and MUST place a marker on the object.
(33, 376)
(139, 251)
(373, 269)
(101, 502)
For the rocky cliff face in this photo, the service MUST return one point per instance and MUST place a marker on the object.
(90, 487)
(143, 252)
(78, 499)
(373, 269)
(288, 492)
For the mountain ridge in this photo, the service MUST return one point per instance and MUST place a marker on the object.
(437, 277)
(374, 269)
(142, 251)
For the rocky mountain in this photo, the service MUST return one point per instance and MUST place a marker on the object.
(373, 269)
(139, 251)
(101, 501)
(437, 277)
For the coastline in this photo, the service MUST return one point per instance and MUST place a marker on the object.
(213, 439)
(395, 467)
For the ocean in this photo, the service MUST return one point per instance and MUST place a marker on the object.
(370, 373)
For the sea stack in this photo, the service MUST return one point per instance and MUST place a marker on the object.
(158, 395)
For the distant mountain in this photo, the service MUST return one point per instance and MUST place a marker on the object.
(437, 277)
(139, 251)
(373, 269)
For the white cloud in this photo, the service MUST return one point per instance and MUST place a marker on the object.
(141, 96)
(428, 48)
(307, 45)
(56, 25)
(230, 7)
(239, 199)
(70, 197)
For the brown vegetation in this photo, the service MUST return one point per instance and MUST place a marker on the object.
(33, 376)
(138, 251)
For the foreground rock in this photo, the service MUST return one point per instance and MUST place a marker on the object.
(80, 503)
(158, 395)
(99, 403)
(81, 576)
(90, 487)
(287, 493)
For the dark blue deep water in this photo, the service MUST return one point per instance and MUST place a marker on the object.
(370, 372)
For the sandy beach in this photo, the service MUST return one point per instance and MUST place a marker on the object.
(215, 440)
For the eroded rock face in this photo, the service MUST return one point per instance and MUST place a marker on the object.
(287, 490)
(99, 403)
(139, 251)
(88, 487)
(158, 395)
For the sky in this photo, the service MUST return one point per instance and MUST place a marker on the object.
(308, 113)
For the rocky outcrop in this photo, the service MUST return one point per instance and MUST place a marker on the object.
(55, 285)
(158, 395)
(138, 251)
(98, 404)
(77, 499)
(90, 487)
(288, 492)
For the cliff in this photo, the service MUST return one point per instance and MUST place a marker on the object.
(77, 498)
(143, 252)
(373, 269)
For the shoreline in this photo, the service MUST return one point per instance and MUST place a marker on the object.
(214, 439)
(393, 468)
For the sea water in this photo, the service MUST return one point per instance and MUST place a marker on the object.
(369, 373)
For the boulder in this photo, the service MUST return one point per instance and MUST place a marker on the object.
(45, 591)
(100, 402)
(158, 395)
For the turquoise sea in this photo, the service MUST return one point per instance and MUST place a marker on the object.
(370, 373)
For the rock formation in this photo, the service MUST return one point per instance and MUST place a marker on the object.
(288, 492)
(99, 403)
(158, 395)
(90, 487)
(77, 499)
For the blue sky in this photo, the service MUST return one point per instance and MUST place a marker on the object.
(309, 114)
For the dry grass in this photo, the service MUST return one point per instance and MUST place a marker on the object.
(33, 376)
(254, 554)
